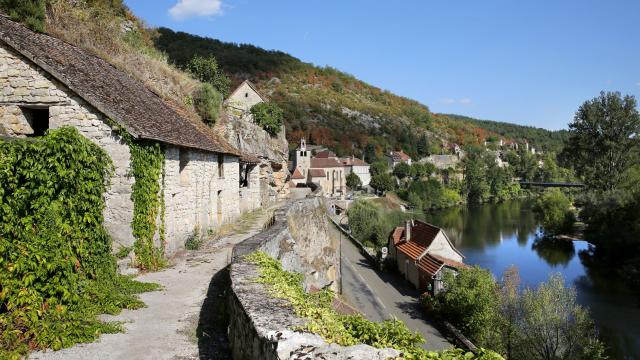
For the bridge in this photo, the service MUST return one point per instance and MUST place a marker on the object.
(551, 184)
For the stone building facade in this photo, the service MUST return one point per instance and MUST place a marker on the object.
(46, 83)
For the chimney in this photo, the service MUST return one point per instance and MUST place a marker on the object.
(407, 230)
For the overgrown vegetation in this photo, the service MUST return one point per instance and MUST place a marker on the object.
(553, 210)
(269, 116)
(206, 69)
(208, 103)
(30, 12)
(56, 270)
(543, 323)
(345, 329)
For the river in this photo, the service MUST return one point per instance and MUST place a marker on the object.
(496, 236)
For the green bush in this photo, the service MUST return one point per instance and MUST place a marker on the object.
(383, 182)
(207, 102)
(353, 181)
(57, 272)
(29, 12)
(269, 116)
(207, 70)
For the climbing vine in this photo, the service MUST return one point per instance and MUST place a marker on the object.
(56, 268)
(147, 168)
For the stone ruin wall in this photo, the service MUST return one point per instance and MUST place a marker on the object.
(260, 325)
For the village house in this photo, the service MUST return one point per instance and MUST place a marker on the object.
(47, 83)
(243, 98)
(396, 157)
(423, 252)
(448, 166)
(358, 167)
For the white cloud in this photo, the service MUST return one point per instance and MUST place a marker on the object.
(450, 101)
(185, 9)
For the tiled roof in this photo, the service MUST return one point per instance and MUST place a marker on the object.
(353, 161)
(325, 163)
(423, 233)
(430, 264)
(324, 154)
(249, 159)
(317, 173)
(396, 235)
(297, 175)
(252, 86)
(449, 262)
(112, 92)
(412, 249)
(399, 156)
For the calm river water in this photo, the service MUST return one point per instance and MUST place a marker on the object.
(497, 236)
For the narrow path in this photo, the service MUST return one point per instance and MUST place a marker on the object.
(382, 296)
(179, 321)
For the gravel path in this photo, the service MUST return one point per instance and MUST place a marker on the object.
(183, 320)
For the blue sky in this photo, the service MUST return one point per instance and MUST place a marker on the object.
(529, 62)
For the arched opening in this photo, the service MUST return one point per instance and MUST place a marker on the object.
(219, 207)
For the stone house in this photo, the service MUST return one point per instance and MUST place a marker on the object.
(47, 83)
(396, 157)
(423, 252)
(358, 167)
(243, 98)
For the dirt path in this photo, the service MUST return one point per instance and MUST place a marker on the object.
(182, 321)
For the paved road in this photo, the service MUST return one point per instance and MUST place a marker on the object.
(382, 296)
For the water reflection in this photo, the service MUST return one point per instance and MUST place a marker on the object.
(498, 236)
(554, 252)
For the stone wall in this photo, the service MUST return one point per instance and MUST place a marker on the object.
(197, 198)
(23, 86)
(260, 325)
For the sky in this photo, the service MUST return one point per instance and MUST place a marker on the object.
(531, 62)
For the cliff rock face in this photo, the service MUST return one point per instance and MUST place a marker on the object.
(240, 130)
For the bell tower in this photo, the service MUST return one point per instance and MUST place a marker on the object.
(303, 158)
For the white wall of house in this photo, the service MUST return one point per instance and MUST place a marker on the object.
(243, 99)
(363, 173)
(250, 195)
(440, 246)
(24, 86)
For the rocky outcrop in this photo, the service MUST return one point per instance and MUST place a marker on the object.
(261, 327)
(241, 131)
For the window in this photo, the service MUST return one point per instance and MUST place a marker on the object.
(38, 119)
(327, 175)
(220, 165)
(246, 95)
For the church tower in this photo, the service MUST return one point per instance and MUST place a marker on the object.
(303, 158)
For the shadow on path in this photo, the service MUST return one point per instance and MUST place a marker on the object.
(213, 342)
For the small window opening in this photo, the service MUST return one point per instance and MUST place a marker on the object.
(38, 119)
(246, 95)
(184, 160)
(220, 165)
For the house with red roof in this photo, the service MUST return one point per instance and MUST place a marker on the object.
(423, 253)
(396, 157)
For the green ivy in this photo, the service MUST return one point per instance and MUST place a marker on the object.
(57, 272)
(147, 167)
(347, 329)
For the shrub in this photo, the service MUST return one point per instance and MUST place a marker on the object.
(57, 272)
(353, 181)
(207, 102)
(269, 116)
(207, 70)
(29, 12)
(383, 182)
(402, 170)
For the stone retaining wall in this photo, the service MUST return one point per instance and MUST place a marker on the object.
(260, 325)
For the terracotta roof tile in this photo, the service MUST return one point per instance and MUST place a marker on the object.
(325, 154)
(396, 235)
(317, 173)
(112, 92)
(325, 163)
(430, 264)
(297, 175)
(399, 156)
(412, 249)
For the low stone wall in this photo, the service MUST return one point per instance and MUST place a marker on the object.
(260, 325)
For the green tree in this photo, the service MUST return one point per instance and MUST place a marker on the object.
(207, 102)
(379, 167)
(370, 155)
(363, 217)
(29, 12)
(476, 186)
(402, 170)
(269, 116)
(423, 146)
(470, 302)
(553, 326)
(353, 181)
(553, 209)
(206, 69)
(604, 139)
(383, 182)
